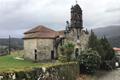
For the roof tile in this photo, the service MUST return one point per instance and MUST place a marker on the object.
(40, 32)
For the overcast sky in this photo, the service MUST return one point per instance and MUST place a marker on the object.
(17, 16)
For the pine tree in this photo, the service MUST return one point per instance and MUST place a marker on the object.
(102, 46)
(92, 41)
(99, 49)
(108, 51)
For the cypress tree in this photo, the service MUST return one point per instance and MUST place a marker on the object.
(108, 51)
(102, 46)
(92, 41)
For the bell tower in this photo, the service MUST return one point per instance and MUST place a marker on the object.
(74, 28)
(76, 21)
(76, 17)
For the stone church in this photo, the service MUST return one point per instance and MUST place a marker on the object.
(41, 42)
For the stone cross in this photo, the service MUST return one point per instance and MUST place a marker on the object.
(76, 1)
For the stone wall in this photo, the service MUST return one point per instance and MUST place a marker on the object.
(83, 39)
(43, 47)
(66, 71)
(29, 46)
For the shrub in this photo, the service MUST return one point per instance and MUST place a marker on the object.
(107, 65)
(62, 58)
(66, 51)
(89, 61)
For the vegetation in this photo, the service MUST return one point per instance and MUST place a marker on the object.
(111, 32)
(109, 52)
(104, 49)
(57, 71)
(115, 41)
(15, 43)
(66, 52)
(9, 63)
(102, 46)
(15, 63)
(89, 61)
(3, 50)
(17, 53)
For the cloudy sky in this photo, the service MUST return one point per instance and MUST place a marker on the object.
(17, 16)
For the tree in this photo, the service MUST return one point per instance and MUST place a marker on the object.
(108, 50)
(92, 41)
(102, 46)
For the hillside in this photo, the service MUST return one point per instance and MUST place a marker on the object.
(111, 32)
(16, 43)
(115, 41)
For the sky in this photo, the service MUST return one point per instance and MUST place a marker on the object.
(18, 16)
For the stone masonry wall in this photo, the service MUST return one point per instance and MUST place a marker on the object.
(66, 71)
(43, 46)
(83, 39)
(29, 46)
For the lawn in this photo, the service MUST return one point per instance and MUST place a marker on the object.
(9, 63)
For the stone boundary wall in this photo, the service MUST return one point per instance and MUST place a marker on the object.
(65, 71)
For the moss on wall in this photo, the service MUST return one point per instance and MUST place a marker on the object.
(66, 71)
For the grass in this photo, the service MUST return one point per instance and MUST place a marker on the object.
(9, 63)
(18, 53)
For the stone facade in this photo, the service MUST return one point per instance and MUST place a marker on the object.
(39, 43)
(74, 30)
(82, 42)
(29, 47)
(43, 47)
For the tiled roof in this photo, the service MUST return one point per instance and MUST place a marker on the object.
(40, 32)
(116, 49)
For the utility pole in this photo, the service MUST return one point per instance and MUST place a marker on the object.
(9, 45)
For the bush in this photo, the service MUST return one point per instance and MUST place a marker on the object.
(66, 51)
(62, 58)
(108, 64)
(89, 61)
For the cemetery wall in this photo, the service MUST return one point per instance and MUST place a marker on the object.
(63, 71)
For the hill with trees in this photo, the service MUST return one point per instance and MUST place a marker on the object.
(15, 43)
(112, 33)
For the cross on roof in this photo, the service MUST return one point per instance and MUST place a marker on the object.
(76, 1)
